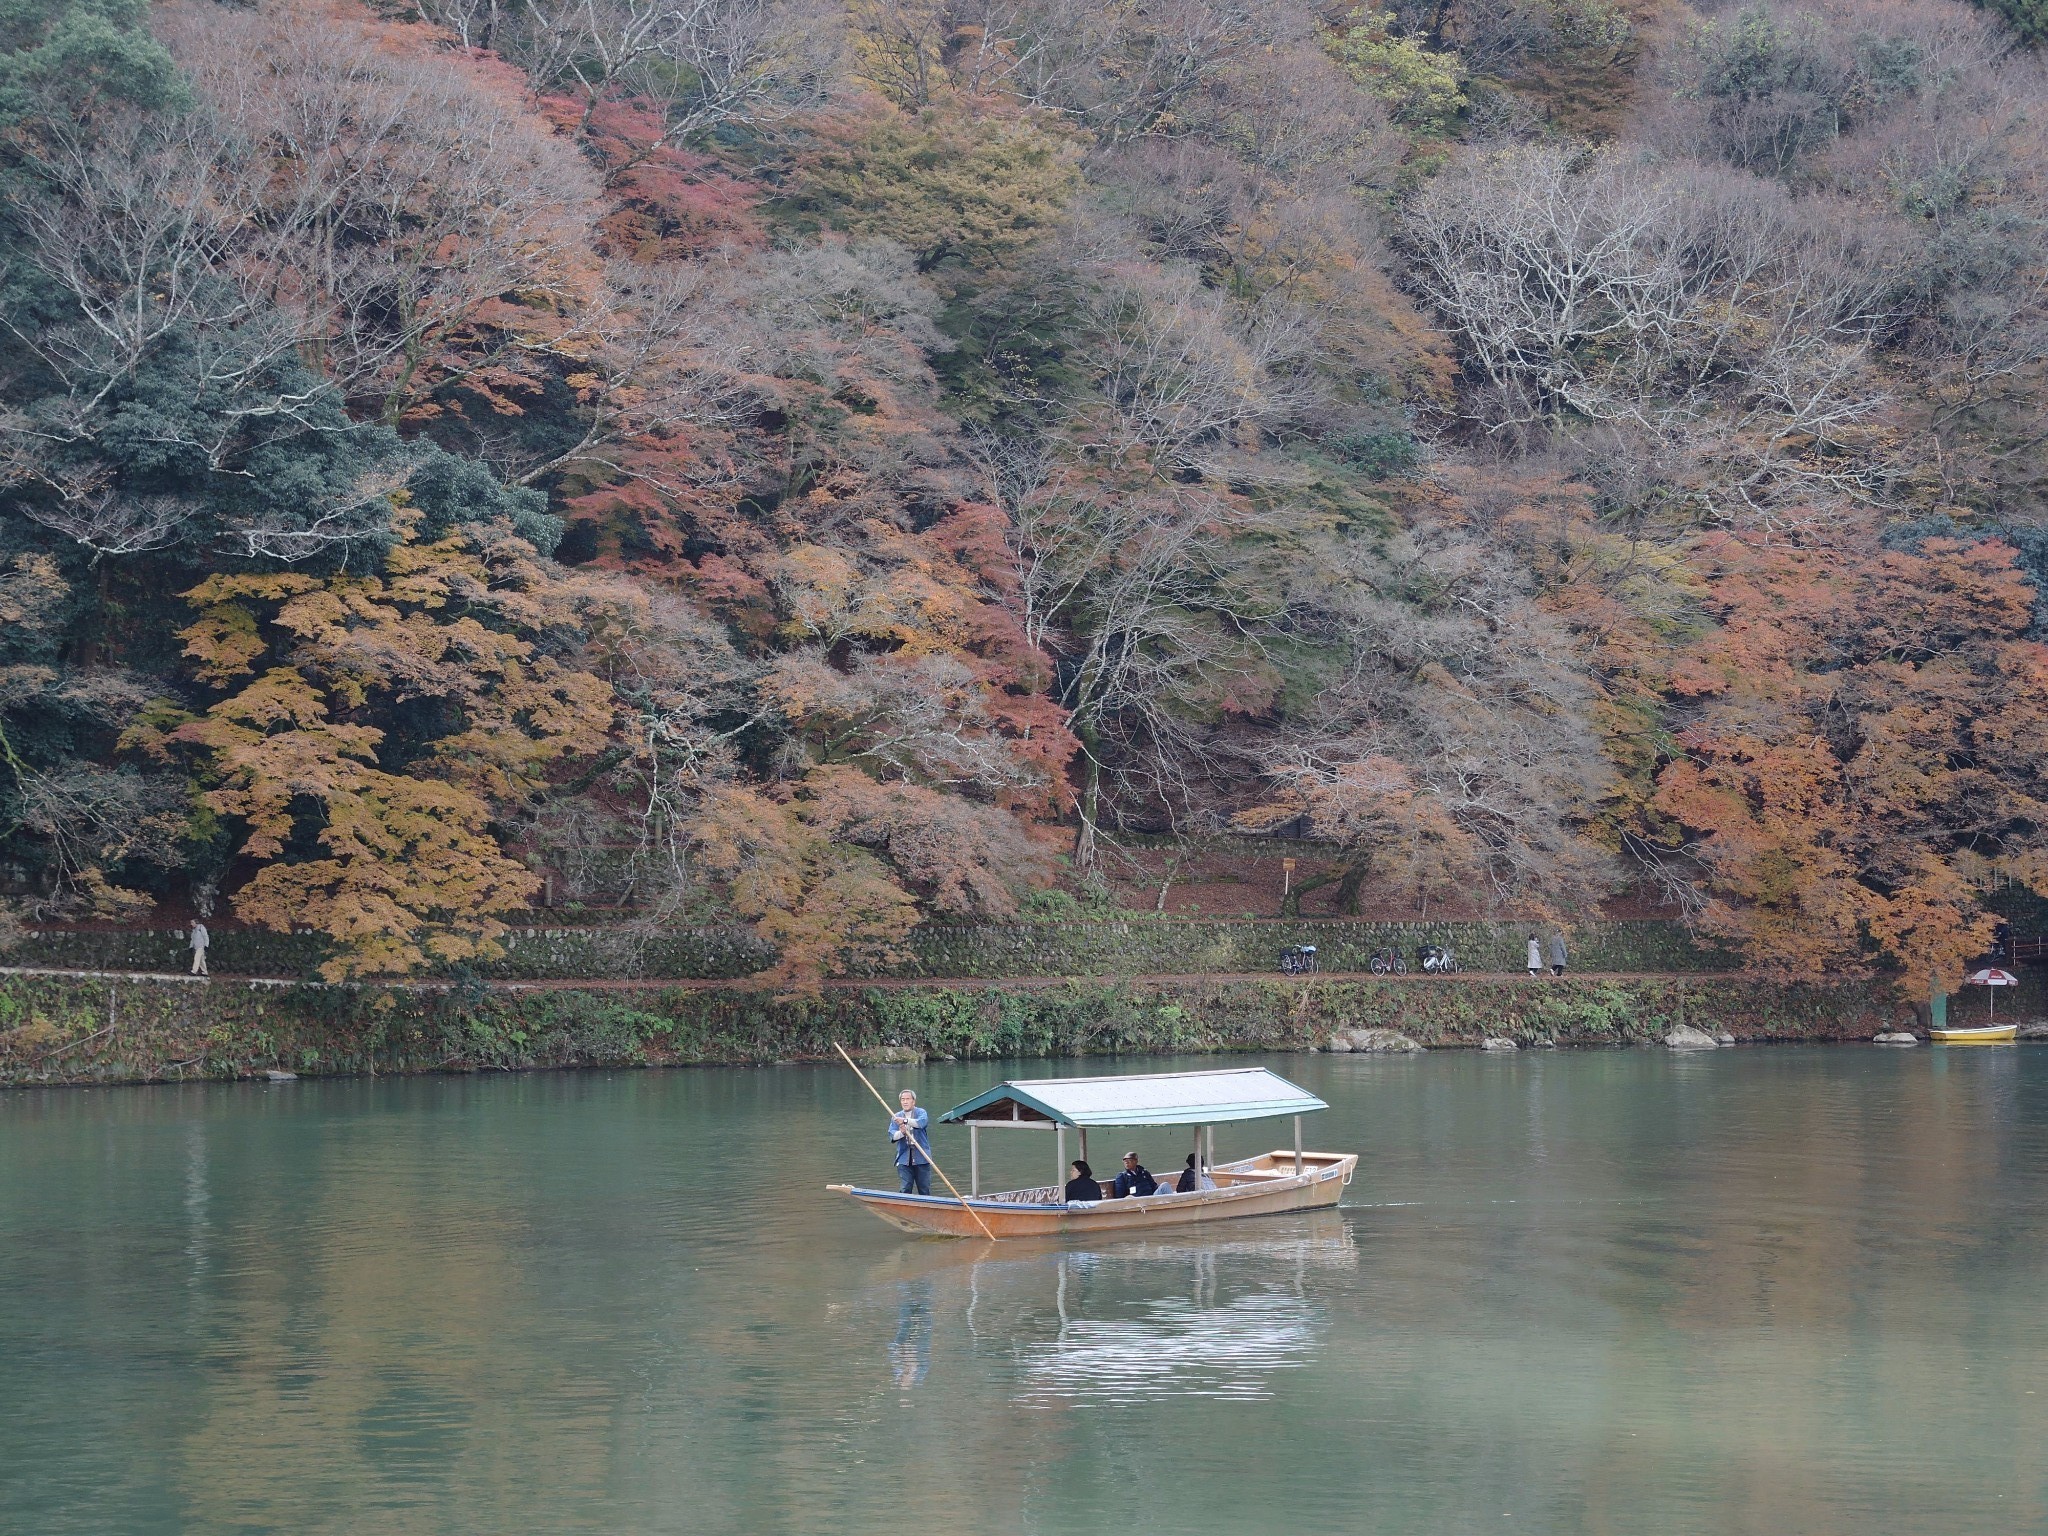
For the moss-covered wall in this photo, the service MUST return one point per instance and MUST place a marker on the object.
(1097, 948)
(1175, 947)
(81, 1030)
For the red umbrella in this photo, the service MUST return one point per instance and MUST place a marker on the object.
(1991, 976)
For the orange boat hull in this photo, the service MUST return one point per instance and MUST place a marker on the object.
(1265, 1185)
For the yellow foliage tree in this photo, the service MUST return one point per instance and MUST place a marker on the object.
(1421, 88)
(380, 720)
(823, 907)
(943, 185)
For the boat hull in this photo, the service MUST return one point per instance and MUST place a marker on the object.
(1986, 1034)
(1259, 1186)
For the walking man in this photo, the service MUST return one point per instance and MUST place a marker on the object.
(910, 1129)
(200, 939)
(1557, 952)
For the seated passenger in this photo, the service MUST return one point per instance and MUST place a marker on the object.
(1134, 1180)
(1082, 1185)
(1192, 1178)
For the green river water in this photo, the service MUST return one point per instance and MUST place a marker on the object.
(1790, 1291)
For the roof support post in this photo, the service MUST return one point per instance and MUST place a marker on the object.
(1059, 1155)
(1297, 1145)
(973, 1158)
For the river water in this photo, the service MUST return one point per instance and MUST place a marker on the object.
(1788, 1291)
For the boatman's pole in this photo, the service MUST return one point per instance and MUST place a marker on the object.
(926, 1148)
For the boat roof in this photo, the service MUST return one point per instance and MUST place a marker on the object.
(1149, 1098)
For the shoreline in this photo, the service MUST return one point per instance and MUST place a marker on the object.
(870, 1061)
(64, 1029)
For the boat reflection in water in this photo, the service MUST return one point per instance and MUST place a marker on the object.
(910, 1352)
(1231, 1351)
(1133, 1321)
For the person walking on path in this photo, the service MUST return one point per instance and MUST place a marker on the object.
(1535, 956)
(199, 940)
(1557, 952)
(910, 1129)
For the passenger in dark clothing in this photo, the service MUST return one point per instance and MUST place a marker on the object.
(1135, 1180)
(1082, 1185)
(1190, 1180)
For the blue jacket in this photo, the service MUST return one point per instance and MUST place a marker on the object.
(917, 1146)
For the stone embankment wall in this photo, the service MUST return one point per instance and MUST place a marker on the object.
(1134, 947)
(108, 1029)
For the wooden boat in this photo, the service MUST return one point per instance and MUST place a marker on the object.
(1263, 1184)
(1978, 1034)
(1991, 978)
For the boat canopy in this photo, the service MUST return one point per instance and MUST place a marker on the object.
(1153, 1098)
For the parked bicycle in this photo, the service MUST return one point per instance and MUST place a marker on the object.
(1437, 960)
(1298, 959)
(1388, 962)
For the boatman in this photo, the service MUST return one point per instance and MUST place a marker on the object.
(910, 1129)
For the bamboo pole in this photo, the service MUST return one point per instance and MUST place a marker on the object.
(925, 1148)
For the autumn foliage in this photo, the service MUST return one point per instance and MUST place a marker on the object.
(1863, 746)
(383, 720)
(837, 872)
(834, 466)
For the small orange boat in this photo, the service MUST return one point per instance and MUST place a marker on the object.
(1265, 1184)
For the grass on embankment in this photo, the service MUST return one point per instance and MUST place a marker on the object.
(62, 1029)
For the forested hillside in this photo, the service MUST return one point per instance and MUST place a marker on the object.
(842, 464)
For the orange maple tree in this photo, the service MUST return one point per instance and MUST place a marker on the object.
(1868, 734)
(1388, 828)
(839, 871)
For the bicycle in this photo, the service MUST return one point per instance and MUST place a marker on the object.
(1388, 962)
(1437, 960)
(1298, 960)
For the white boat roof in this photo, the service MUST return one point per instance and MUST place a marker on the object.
(1150, 1098)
